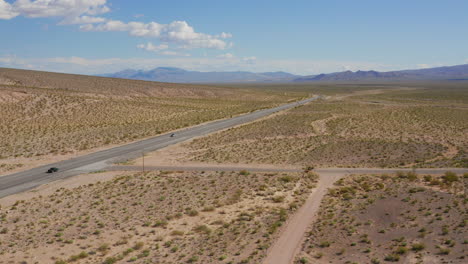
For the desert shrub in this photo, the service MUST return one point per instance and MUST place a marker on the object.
(324, 244)
(286, 178)
(110, 260)
(202, 229)
(160, 223)
(208, 209)
(417, 246)
(444, 251)
(416, 189)
(138, 245)
(278, 199)
(193, 259)
(412, 176)
(82, 255)
(427, 178)
(392, 258)
(401, 250)
(192, 212)
(177, 233)
(450, 177)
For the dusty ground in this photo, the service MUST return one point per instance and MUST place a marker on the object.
(391, 128)
(405, 218)
(158, 216)
(234, 217)
(50, 116)
(287, 246)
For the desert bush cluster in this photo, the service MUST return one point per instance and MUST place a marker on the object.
(355, 131)
(163, 217)
(46, 113)
(405, 218)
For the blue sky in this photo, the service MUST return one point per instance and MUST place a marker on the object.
(298, 36)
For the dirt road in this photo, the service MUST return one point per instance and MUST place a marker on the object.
(289, 242)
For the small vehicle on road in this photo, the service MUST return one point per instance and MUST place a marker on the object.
(52, 170)
(172, 135)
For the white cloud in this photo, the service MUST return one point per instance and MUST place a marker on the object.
(226, 56)
(179, 32)
(249, 60)
(7, 11)
(423, 66)
(224, 35)
(85, 13)
(72, 11)
(151, 47)
(174, 53)
(60, 8)
(162, 49)
(83, 20)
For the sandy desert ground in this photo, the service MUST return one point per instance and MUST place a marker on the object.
(405, 218)
(50, 116)
(237, 216)
(384, 128)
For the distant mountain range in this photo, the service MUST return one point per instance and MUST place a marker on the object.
(176, 75)
(168, 74)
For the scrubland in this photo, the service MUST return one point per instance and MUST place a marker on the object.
(163, 217)
(372, 128)
(405, 218)
(53, 114)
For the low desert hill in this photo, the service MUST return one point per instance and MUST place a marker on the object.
(102, 85)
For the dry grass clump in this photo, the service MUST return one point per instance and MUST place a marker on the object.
(163, 217)
(349, 132)
(381, 218)
(4, 167)
(72, 113)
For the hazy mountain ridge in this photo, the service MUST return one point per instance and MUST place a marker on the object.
(177, 75)
(439, 73)
(169, 74)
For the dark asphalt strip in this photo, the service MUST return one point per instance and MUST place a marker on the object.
(25, 180)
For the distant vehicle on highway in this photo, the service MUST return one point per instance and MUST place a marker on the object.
(172, 135)
(52, 170)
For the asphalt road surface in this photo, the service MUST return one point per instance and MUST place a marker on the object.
(22, 181)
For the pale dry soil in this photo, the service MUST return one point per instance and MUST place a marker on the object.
(163, 217)
(402, 218)
(49, 116)
(348, 132)
(287, 246)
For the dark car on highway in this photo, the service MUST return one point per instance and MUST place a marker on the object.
(52, 170)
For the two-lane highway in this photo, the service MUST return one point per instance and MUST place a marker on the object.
(25, 180)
